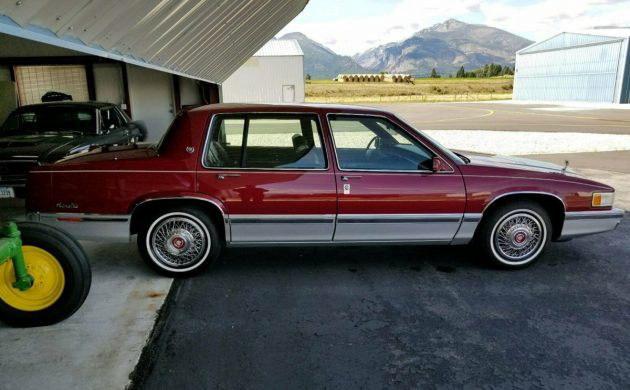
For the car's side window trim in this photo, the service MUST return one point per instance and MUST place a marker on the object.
(243, 162)
(246, 116)
(418, 171)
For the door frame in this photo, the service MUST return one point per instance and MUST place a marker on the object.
(283, 221)
(403, 218)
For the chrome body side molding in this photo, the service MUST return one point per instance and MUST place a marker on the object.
(88, 227)
(334, 243)
(582, 223)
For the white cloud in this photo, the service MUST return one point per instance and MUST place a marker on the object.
(352, 34)
(536, 20)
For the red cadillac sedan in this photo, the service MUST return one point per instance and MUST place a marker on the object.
(260, 175)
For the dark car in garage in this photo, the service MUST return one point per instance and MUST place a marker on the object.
(44, 133)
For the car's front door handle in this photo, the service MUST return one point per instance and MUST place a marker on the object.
(222, 176)
(346, 178)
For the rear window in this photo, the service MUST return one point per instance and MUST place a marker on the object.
(266, 142)
(51, 119)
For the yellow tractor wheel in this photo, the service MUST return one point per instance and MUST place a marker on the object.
(61, 278)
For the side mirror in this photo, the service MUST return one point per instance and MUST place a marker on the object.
(439, 165)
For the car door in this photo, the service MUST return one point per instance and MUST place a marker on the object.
(272, 174)
(387, 188)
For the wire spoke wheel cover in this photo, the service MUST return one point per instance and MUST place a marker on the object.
(518, 237)
(178, 241)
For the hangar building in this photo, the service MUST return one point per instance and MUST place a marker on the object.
(275, 74)
(587, 66)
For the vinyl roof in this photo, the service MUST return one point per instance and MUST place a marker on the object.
(280, 48)
(201, 39)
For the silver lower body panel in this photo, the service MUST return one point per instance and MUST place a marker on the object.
(397, 227)
(467, 229)
(583, 223)
(291, 228)
(88, 227)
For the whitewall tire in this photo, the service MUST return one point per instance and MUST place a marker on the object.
(180, 242)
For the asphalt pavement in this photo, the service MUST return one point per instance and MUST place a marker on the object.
(510, 116)
(398, 317)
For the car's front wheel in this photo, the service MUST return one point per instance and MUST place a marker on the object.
(515, 234)
(179, 242)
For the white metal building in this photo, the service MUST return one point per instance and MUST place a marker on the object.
(275, 74)
(153, 58)
(586, 66)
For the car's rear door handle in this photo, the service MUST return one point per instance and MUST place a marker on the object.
(222, 176)
(346, 178)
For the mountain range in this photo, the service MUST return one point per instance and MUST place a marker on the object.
(445, 46)
(321, 62)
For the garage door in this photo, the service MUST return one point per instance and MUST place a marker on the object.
(34, 81)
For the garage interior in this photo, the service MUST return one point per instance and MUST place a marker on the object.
(152, 58)
(29, 69)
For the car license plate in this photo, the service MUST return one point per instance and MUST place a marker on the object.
(6, 192)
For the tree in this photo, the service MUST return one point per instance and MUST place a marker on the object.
(494, 70)
(485, 71)
(434, 74)
(308, 77)
(461, 72)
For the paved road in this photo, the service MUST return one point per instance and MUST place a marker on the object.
(401, 317)
(501, 116)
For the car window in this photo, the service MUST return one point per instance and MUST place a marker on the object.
(110, 119)
(12, 123)
(51, 120)
(122, 117)
(266, 142)
(371, 143)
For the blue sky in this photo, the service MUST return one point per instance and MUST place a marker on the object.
(351, 26)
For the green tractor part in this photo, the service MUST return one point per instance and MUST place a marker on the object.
(11, 250)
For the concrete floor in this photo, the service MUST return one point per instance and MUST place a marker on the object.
(401, 317)
(99, 346)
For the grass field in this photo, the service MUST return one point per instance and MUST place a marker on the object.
(424, 90)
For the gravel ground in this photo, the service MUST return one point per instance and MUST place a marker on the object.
(529, 142)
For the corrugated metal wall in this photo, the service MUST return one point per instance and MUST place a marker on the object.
(261, 80)
(587, 73)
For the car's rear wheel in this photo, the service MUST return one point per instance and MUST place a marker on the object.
(179, 242)
(515, 234)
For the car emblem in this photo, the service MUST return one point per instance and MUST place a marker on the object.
(71, 205)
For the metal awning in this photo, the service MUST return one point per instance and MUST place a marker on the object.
(202, 39)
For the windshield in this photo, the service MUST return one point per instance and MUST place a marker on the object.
(453, 156)
(50, 120)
